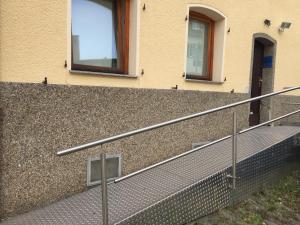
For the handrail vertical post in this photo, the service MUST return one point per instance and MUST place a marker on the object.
(271, 111)
(104, 190)
(234, 149)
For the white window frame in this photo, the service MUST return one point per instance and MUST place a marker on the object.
(97, 158)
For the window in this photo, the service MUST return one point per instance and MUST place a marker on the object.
(200, 47)
(113, 169)
(100, 35)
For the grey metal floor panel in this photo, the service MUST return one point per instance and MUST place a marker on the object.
(131, 196)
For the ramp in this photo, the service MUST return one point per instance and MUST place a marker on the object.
(178, 191)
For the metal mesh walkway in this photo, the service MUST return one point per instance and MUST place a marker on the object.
(136, 193)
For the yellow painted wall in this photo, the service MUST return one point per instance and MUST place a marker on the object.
(34, 43)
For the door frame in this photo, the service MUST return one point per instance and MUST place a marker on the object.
(271, 43)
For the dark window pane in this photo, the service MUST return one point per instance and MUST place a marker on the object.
(112, 165)
(95, 170)
(94, 26)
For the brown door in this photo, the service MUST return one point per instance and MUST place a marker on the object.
(257, 70)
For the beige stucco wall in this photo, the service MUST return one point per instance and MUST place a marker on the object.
(35, 42)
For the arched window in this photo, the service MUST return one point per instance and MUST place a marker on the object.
(200, 46)
(205, 44)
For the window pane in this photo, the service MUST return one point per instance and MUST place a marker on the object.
(197, 48)
(95, 170)
(112, 165)
(112, 169)
(94, 25)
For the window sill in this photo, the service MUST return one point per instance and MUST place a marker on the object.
(103, 74)
(204, 81)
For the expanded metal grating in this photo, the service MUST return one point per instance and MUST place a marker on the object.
(179, 191)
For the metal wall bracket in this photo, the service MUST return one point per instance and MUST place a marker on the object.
(233, 180)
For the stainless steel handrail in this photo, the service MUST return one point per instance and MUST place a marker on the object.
(292, 103)
(204, 146)
(142, 130)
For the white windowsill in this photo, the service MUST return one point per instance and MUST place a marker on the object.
(103, 74)
(205, 81)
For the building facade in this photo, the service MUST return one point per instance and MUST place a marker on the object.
(73, 71)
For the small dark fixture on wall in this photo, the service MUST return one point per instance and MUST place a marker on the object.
(175, 88)
(45, 81)
(183, 75)
(267, 22)
(284, 25)
(232, 91)
(186, 18)
(143, 72)
(144, 7)
(66, 64)
(225, 79)
(228, 31)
